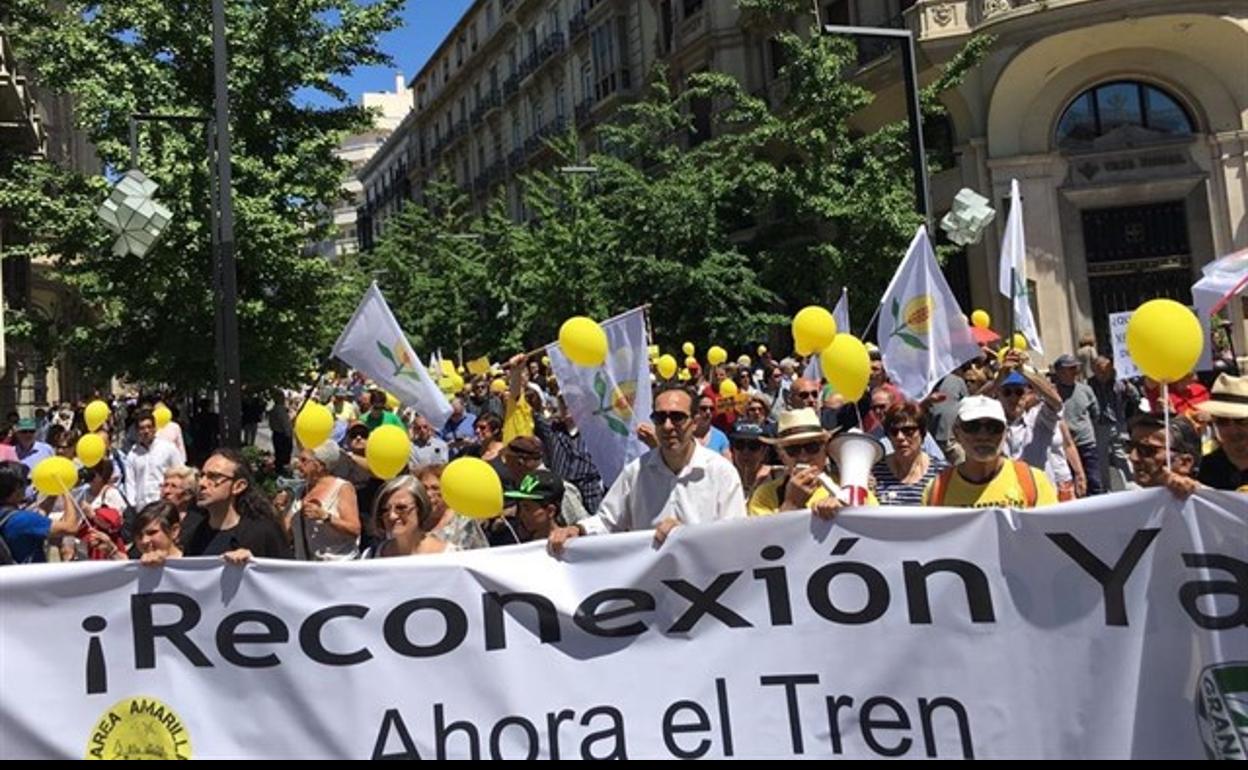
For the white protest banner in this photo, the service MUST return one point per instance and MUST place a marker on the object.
(1126, 368)
(1111, 627)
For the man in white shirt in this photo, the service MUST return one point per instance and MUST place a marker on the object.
(147, 461)
(679, 482)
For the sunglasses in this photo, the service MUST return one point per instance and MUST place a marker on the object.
(1012, 392)
(706, 408)
(978, 427)
(809, 448)
(906, 430)
(806, 393)
(677, 418)
(747, 446)
(1145, 450)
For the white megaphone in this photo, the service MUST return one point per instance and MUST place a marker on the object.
(855, 453)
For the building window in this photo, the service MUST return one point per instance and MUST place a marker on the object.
(606, 45)
(1121, 112)
(489, 17)
(700, 131)
(459, 53)
(517, 134)
(665, 14)
(535, 111)
(779, 56)
(561, 107)
(691, 7)
(446, 70)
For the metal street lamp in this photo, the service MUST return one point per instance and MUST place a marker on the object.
(918, 157)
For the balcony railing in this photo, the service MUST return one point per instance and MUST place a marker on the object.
(511, 86)
(553, 44)
(488, 102)
(577, 26)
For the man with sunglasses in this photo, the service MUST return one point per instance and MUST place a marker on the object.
(1147, 449)
(986, 478)
(678, 482)
(1227, 466)
(803, 447)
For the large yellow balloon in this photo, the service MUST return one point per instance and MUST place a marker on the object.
(716, 355)
(54, 476)
(583, 341)
(727, 389)
(1164, 339)
(847, 366)
(162, 415)
(688, 349)
(313, 425)
(96, 414)
(498, 386)
(387, 451)
(666, 366)
(90, 449)
(472, 488)
(980, 319)
(814, 328)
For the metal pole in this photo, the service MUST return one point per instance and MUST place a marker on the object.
(228, 364)
(134, 142)
(218, 309)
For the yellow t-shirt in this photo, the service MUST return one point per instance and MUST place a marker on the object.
(766, 499)
(347, 413)
(1003, 491)
(517, 418)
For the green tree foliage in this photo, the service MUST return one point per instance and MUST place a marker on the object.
(153, 317)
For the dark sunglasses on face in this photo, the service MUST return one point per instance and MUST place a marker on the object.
(1145, 450)
(677, 418)
(807, 393)
(809, 448)
(706, 408)
(746, 446)
(908, 430)
(977, 427)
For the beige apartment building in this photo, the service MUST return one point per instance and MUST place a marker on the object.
(1125, 122)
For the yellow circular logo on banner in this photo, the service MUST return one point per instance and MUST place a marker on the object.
(139, 728)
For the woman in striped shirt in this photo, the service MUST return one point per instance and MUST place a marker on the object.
(901, 476)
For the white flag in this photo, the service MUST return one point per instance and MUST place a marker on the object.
(840, 313)
(1014, 262)
(608, 402)
(922, 334)
(374, 344)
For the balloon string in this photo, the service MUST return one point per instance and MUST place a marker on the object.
(1165, 417)
(510, 529)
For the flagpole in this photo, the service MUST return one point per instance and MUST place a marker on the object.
(1013, 288)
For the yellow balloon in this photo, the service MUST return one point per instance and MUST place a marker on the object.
(313, 425)
(457, 383)
(90, 449)
(691, 362)
(727, 389)
(162, 415)
(762, 350)
(1018, 341)
(684, 375)
(666, 366)
(387, 451)
(847, 366)
(1164, 339)
(814, 328)
(446, 385)
(743, 360)
(392, 402)
(546, 361)
(54, 476)
(96, 414)
(980, 319)
(716, 355)
(583, 341)
(688, 349)
(472, 488)
(498, 386)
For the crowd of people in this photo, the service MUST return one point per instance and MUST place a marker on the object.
(995, 433)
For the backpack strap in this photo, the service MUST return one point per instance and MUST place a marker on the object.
(1026, 482)
(939, 486)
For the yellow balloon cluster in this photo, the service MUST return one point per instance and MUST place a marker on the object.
(814, 328)
(1164, 339)
(847, 366)
(387, 451)
(313, 425)
(583, 341)
(96, 414)
(472, 488)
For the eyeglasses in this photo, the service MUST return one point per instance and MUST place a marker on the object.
(216, 478)
(746, 446)
(977, 427)
(677, 418)
(809, 448)
(399, 510)
(706, 408)
(806, 393)
(1013, 392)
(1145, 450)
(908, 430)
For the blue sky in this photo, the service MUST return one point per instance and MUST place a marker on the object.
(426, 22)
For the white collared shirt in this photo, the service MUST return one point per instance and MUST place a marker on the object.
(647, 492)
(145, 470)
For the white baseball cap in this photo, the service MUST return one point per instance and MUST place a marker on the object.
(974, 408)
